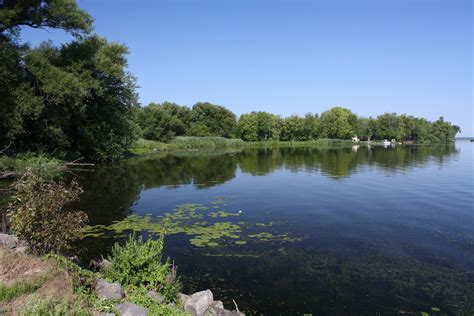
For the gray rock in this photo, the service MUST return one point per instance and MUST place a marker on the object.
(198, 303)
(217, 309)
(173, 305)
(182, 298)
(128, 309)
(95, 313)
(108, 290)
(21, 248)
(9, 241)
(157, 297)
(217, 304)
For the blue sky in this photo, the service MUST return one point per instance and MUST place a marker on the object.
(294, 57)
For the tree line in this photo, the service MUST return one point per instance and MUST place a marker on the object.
(164, 121)
(78, 98)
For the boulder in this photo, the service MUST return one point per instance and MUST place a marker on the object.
(128, 309)
(96, 313)
(107, 290)
(182, 298)
(198, 303)
(9, 241)
(217, 309)
(157, 297)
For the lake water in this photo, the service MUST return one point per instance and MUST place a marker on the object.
(337, 231)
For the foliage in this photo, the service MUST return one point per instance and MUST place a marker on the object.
(139, 263)
(211, 120)
(162, 122)
(76, 98)
(337, 122)
(36, 306)
(204, 142)
(137, 295)
(38, 215)
(58, 14)
(258, 126)
(9, 292)
(42, 165)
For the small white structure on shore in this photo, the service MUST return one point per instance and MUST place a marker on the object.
(386, 142)
(355, 139)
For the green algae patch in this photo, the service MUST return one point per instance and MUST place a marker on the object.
(223, 214)
(205, 228)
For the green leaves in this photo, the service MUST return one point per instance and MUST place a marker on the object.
(60, 14)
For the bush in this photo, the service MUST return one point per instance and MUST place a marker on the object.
(138, 263)
(38, 215)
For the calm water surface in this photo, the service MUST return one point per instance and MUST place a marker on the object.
(353, 231)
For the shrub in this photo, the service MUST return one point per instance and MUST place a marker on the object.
(38, 215)
(139, 263)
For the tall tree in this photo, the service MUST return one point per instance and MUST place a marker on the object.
(337, 122)
(212, 120)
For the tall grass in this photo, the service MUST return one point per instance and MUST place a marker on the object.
(42, 165)
(144, 146)
(189, 142)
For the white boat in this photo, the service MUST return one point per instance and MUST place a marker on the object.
(386, 142)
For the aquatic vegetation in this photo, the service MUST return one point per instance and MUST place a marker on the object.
(205, 227)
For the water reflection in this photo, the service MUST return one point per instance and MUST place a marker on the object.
(119, 184)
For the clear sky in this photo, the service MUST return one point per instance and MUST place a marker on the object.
(293, 57)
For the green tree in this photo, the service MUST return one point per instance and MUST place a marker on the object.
(366, 128)
(163, 121)
(57, 14)
(211, 120)
(76, 98)
(337, 122)
(248, 127)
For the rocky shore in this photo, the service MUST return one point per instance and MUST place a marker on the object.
(201, 303)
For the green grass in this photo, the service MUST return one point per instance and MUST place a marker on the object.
(36, 306)
(188, 142)
(44, 166)
(10, 292)
(143, 146)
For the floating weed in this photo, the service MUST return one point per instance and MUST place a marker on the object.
(223, 214)
(190, 219)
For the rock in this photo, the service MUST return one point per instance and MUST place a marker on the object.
(128, 309)
(9, 241)
(96, 265)
(182, 298)
(95, 313)
(198, 303)
(21, 248)
(172, 305)
(217, 309)
(108, 290)
(157, 297)
(217, 304)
